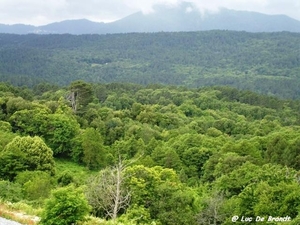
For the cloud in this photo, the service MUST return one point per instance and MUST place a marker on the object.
(42, 12)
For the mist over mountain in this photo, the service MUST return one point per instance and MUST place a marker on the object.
(184, 17)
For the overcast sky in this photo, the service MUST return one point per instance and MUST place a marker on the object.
(40, 12)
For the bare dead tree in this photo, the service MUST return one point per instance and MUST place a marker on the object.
(211, 214)
(106, 191)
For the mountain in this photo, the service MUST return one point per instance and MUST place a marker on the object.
(81, 26)
(184, 17)
(187, 17)
(17, 29)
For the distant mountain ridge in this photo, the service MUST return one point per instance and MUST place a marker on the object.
(184, 17)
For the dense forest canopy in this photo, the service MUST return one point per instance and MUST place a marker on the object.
(178, 155)
(267, 63)
(152, 128)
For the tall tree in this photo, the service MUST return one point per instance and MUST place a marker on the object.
(81, 95)
(94, 152)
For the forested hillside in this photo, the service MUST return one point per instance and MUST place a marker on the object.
(266, 63)
(154, 154)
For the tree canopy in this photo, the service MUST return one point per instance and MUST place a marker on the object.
(206, 153)
(267, 63)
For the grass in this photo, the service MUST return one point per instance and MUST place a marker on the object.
(79, 172)
(26, 214)
(19, 212)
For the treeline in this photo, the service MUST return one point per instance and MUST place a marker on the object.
(266, 63)
(176, 155)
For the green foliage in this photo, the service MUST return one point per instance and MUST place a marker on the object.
(234, 182)
(10, 191)
(248, 61)
(191, 156)
(6, 137)
(66, 205)
(29, 122)
(11, 163)
(5, 126)
(136, 214)
(58, 131)
(65, 178)
(65, 169)
(30, 153)
(158, 190)
(16, 104)
(81, 95)
(36, 184)
(94, 152)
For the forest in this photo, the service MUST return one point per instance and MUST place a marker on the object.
(266, 63)
(152, 154)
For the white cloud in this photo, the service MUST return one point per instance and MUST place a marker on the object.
(188, 9)
(41, 12)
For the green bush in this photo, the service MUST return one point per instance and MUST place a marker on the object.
(65, 178)
(25, 153)
(66, 206)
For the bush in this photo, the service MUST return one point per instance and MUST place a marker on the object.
(65, 178)
(66, 206)
(25, 153)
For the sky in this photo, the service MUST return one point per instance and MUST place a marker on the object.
(42, 12)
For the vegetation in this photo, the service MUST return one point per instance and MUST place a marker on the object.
(149, 154)
(66, 206)
(266, 63)
(25, 153)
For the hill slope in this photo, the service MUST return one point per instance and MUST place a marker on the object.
(267, 63)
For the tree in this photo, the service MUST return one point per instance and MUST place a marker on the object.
(29, 122)
(167, 158)
(66, 206)
(16, 104)
(212, 212)
(58, 130)
(94, 153)
(291, 154)
(11, 163)
(29, 153)
(6, 137)
(81, 95)
(267, 199)
(275, 149)
(106, 192)
(159, 191)
(193, 159)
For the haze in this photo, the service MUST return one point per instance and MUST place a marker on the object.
(36, 12)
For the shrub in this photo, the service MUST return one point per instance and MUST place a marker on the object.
(66, 206)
